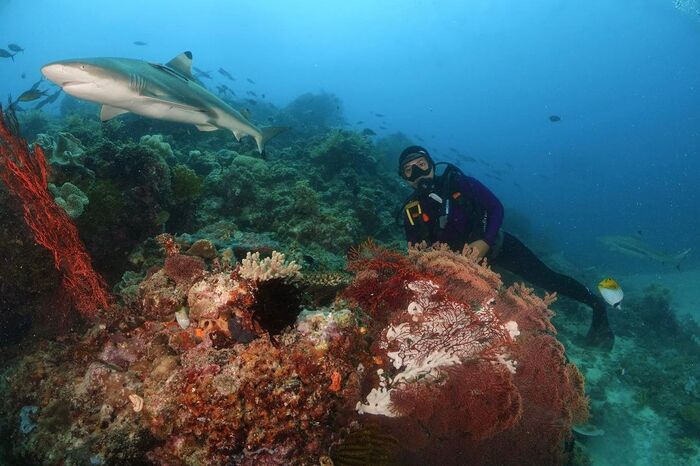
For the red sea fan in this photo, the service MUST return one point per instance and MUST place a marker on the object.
(476, 375)
(26, 175)
(464, 278)
(477, 400)
(380, 275)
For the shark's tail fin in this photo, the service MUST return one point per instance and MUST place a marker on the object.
(677, 259)
(268, 133)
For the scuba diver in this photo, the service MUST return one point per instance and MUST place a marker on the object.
(458, 210)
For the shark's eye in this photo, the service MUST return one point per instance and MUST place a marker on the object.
(82, 67)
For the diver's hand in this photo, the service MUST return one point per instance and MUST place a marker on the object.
(481, 246)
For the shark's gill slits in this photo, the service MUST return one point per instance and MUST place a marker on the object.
(136, 83)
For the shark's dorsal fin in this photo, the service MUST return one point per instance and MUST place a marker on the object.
(182, 63)
(108, 112)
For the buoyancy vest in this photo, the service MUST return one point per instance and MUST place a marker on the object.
(450, 198)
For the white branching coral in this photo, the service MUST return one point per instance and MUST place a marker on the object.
(259, 270)
(435, 334)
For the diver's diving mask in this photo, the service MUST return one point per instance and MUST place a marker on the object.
(414, 169)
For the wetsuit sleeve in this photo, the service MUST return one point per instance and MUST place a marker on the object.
(494, 209)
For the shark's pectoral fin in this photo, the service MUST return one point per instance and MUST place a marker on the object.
(158, 100)
(108, 112)
(206, 127)
(237, 134)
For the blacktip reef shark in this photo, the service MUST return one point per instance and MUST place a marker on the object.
(164, 92)
(634, 246)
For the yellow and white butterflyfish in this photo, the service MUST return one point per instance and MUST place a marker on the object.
(611, 292)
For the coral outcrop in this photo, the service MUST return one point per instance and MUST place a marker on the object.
(430, 362)
(463, 365)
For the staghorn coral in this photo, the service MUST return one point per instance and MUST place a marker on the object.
(254, 269)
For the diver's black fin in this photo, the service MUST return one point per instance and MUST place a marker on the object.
(600, 335)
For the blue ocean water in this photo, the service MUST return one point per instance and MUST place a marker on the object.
(481, 77)
(468, 80)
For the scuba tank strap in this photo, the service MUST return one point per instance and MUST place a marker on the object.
(446, 196)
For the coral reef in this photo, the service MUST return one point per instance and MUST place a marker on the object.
(341, 149)
(237, 338)
(311, 112)
(189, 394)
(194, 372)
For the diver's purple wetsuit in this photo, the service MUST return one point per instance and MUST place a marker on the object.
(479, 216)
(475, 213)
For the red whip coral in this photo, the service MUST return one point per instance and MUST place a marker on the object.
(469, 372)
(26, 175)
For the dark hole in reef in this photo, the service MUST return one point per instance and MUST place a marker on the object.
(277, 304)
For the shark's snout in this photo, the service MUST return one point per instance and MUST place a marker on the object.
(65, 73)
(54, 72)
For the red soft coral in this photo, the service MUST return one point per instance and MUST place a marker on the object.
(26, 175)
